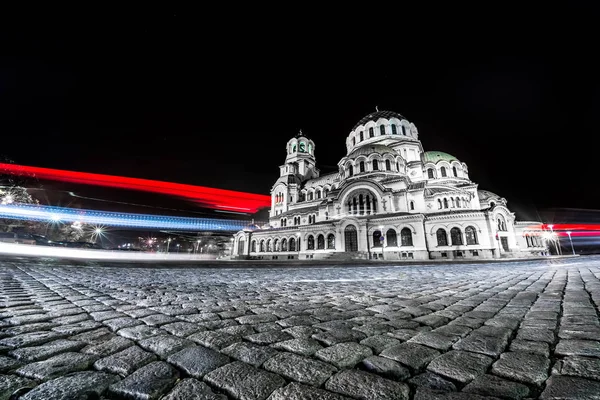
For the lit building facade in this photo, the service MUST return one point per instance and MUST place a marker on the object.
(389, 199)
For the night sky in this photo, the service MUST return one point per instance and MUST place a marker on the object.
(191, 97)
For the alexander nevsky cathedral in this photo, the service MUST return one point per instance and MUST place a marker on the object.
(389, 199)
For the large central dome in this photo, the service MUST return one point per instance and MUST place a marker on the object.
(376, 115)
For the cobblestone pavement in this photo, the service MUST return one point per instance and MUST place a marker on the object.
(503, 330)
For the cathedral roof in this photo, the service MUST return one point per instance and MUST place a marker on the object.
(323, 180)
(435, 156)
(369, 149)
(376, 115)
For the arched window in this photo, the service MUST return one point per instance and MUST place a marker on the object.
(454, 172)
(353, 141)
(412, 205)
(253, 248)
(406, 237)
(457, 202)
(269, 245)
(292, 244)
(371, 132)
(320, 242)
(388, 165)
(453, 202)
(430, 173)
(403, 130)
(294, 148)
(397, 166)
(350, 170)
(442, 238)
(439, 204)
(362, 136)
(501, 223)
(394, 131)
(302, 147)
(310, 243)
(275, 244)
(377, 239)
(310, 196)
(309, 148)
(284, 245)
(471, 235)
(375, 165)
(391, 238)
(241, 245)
(331, 241)
(382, 129)
(362, 166)
(456, 237)
(318, 194)
(262, 246)
(445, 203)
(443, 171)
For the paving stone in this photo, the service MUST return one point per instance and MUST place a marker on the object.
(149, 382)
(476, 343)
(237, 330)
(567, 388)
(266, 327)
(29, 319)
(402, 324)
(374, 329)
(460, 366)
(385, 367)
(379, 343)
(256, 319)
(586, 332)
(344, 355)
(164, 345)
(299, 368)
(490, 385)
(37, 353)
(268, 337)
(530, 347)
(140, 332)
(297, 391)
(125, 362)
(11, 384)
(94, 336)
(434, 340)
(244, 382)
(30, 339)
(17, 330)
(522, 367)
(139, 312)
(218, 324)
(404, 334)
(453, 330)
(175, 310)
(584, 367)
(108, 347)
(119, 323)
(197, 361)
(297, 320)
(432, 381)
(214, 340)
(303, 346)
(587, 348)
(423, 393)
(200, 317)
(56, 366)
(79, 385)
(433, 321)
(250, 353)
(468, 321)
(192, 389)
(104, 315)
(536, 335)
(335, 336)
(182, 329)
(364, 385)
(413, 355)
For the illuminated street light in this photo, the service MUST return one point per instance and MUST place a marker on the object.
(168, 244)
(571, 240)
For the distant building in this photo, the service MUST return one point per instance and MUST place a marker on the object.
(388, 199)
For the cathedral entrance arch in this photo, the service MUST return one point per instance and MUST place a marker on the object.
(351, 238)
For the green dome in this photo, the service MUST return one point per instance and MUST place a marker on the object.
(435, 156)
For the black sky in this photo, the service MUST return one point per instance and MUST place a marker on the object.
(211, 98)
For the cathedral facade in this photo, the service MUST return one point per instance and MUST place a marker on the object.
(389, 199)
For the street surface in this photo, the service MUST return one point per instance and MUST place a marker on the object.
(465, 331)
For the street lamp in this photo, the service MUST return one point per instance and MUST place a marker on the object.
(168, 244)
(197, 245)
(298, 244)
(571, 240)
(382, 241)
(178, 247)
(556, 240)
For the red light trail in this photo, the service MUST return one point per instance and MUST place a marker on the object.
(221, 199)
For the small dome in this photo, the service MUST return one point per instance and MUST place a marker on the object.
(378, 114)
(435, 156)
(369, 149)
